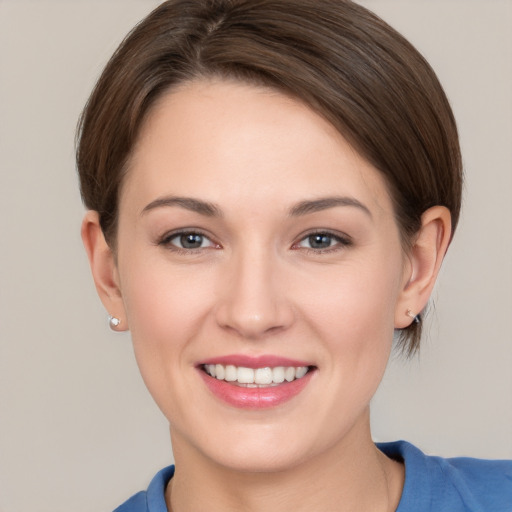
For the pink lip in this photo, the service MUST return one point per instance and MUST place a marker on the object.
(254, 398)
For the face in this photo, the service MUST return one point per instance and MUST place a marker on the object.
(260, 268)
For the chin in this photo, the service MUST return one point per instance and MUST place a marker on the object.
(249, 460)
(244, 448)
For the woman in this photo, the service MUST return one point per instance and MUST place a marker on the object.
(272, 187)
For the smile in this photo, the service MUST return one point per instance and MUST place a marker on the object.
(255, 383)
(255, 377)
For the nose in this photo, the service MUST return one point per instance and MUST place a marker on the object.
(253, 300)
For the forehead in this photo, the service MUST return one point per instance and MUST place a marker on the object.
(245, 144)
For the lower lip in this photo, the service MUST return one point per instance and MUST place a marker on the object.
(255, 398)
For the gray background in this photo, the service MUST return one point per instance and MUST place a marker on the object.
(78, 431)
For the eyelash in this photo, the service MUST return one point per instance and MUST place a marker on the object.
(166, 241)
(341, 242)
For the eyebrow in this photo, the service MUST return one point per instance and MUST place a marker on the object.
(324, 203)
(194, 205)
(212, 210)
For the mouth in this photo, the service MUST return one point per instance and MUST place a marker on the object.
(256, 383)
(256, 377)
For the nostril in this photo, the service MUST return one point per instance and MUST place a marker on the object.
(269, 319)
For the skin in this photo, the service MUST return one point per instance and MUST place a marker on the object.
(257, 286)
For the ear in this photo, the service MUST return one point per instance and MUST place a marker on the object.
(425, 259)
(103, 268)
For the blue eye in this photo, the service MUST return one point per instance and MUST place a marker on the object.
(322, 241)
(188, 241)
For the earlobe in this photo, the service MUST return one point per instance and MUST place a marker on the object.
(103, 267)
(426, 257)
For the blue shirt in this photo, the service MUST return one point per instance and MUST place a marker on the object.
(432, 484)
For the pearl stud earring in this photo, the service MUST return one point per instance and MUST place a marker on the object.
(416, 318)
(113, 322)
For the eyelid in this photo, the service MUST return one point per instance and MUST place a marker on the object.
(165, 240)
(343, 240)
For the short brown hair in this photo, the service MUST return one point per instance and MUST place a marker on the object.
(333, 55)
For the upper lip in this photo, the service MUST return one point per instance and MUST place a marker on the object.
(262, 361)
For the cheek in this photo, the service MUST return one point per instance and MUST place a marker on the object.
(353, 316)
(158, 295)
(356, 298)
(165, 311)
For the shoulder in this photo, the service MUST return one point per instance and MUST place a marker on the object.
(152, 500)
(137, 503)
(456, 485)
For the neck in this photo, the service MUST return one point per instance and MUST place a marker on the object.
(354, 476)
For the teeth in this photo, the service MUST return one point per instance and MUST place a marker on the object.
(289, 373)
(244, 376)
(278, 374)
(231, 373)
(263, 376)
(220, 371)
(256, 377)
(300, 372)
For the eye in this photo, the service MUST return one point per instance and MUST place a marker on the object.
(322, 241)
(189, 240)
